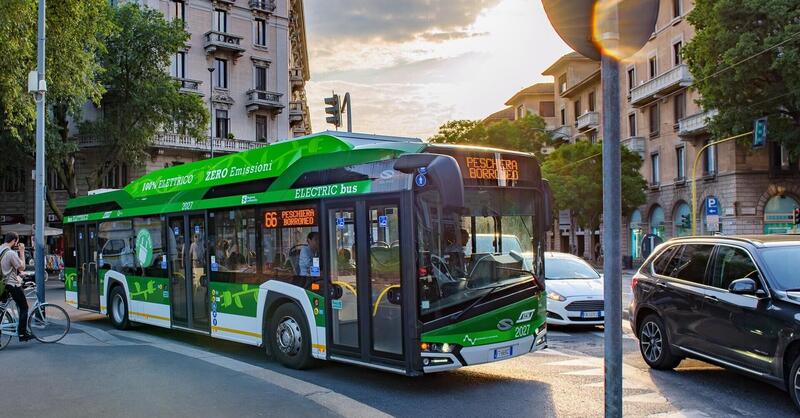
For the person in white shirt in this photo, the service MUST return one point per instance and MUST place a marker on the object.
(12, 265)
(307, 254)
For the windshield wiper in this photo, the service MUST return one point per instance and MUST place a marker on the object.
(481, 298)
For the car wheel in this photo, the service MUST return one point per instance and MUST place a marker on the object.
(118, 308)
(793, 382)
(654, 344)
(289, 338)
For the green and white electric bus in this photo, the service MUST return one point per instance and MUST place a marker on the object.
(335, 246)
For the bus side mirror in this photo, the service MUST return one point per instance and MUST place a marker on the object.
(441, 171)
(547, 198)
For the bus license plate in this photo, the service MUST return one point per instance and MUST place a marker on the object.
(591, 314)
(503, 352)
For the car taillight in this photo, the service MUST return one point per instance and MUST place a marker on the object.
(635, 280)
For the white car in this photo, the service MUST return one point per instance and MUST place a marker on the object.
(574, 291)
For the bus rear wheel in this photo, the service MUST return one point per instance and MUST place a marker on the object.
(289, 337)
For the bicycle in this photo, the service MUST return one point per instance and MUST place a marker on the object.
(48, 323)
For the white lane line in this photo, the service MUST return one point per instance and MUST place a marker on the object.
(334, 401)
(626, 384)
(558, 334)
(585, 372)
(688, 413)
(624, 335)
(651, 398)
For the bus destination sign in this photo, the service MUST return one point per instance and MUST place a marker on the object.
(489, 168)
(290, 218)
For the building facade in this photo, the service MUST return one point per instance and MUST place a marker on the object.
(256, 93)
(754, 190)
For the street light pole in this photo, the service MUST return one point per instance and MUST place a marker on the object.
(40, 149)
(211, 108)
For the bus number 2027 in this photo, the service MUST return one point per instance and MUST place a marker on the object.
(522, 331)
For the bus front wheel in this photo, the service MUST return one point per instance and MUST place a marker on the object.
(290, 339)
(118, 308)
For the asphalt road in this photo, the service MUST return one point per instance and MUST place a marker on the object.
(150, 371)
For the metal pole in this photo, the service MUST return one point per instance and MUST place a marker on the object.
(40, 147)
(612, 222)
(694, 175)
(211, 109)
(349, 112)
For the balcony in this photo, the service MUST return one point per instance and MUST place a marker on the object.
(696, 124)
(635, 144)
(189, 86)
(563, 132)
(587, 121)
(296, 111)
(668, 82)
(220, 41)
(263, 100)
(266, 6)
(185, 142)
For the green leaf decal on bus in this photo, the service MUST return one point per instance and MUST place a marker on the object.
(70, 279)
(234, 299)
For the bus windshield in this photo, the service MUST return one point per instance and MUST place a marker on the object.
(462, 256)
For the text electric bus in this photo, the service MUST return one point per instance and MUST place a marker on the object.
(334, 246)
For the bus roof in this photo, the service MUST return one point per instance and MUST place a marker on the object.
(273, 167)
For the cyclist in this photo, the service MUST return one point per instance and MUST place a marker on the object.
(12, 264)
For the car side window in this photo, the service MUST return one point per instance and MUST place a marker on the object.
(662, 261)
(732, 264)
(690, 264)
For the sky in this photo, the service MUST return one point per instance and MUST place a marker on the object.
(412, 65)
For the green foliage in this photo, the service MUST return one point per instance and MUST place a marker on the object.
(142, 99)
(526, 134)
(575, 172)
(75, 29)
(728, 32)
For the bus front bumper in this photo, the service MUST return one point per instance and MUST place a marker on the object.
(485, 353)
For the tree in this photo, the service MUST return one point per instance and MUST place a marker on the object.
(142, 99)
(75, 29)
(575, 172)
(527, 134)
(736, 78)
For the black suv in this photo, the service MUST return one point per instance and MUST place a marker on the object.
(731, 301)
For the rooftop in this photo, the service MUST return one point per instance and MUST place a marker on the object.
(571, 57)
(538, 88)
(505, 114)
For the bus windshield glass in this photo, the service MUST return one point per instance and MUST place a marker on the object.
(462, 256)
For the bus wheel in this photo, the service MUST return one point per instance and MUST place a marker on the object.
(118, 308)
(290, 340)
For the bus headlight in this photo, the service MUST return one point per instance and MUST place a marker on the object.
(437, 347)
(555, 296)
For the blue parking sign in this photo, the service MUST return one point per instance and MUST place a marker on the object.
(712, 206)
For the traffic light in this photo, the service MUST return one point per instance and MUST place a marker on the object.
(760, 133)
(334, 110)
(796, 216)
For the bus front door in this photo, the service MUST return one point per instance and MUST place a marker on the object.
(364, 282)
(186, 247)
(88, 283)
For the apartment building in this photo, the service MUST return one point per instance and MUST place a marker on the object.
(660, 120)
(576, 92)
(536, 99)
(256, 93)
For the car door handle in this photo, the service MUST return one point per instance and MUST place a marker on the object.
(711, 298)
(661, 285)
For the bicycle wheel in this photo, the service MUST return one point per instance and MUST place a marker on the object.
(48, 323)
(8, 326)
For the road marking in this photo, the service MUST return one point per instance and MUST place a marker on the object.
(689, 413)
(557, 334)
(586, 372)
(327, 398)
(626, 384)
(651, 398)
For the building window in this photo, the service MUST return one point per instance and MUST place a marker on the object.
(632, 124)
(223, 124)
(593, 137)
(655, 119)
(178, 9)
(676, 53)
(13, 181)
(220, 23)
(261, 128)
(679, 107)
(577, 109)
(655, 169)
(178, 68)
(677, 9)
(710, 160)
(680, 162)
(547, 109)
(652, 65)
(563, 117)
(220, 73)
(117, 177)
(521, 112)
(261, 32)
(53, 181)
(261, 78)
(562, 83)
(591, 101)
(631, 78)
